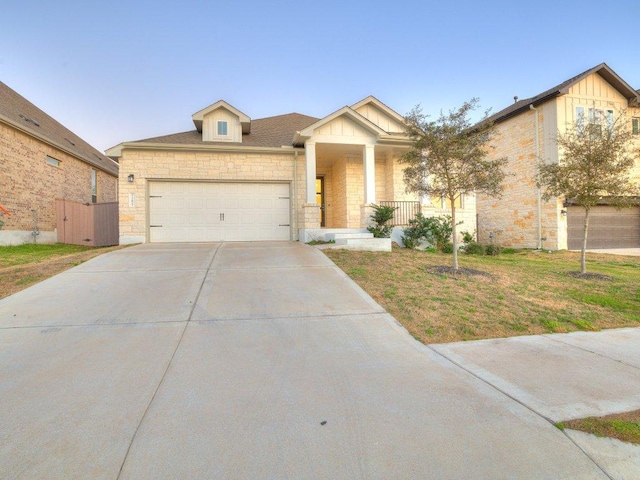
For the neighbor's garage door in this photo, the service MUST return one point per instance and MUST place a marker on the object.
(211, 212)
(608, 227)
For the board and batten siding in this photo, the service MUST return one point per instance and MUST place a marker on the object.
(210, 126)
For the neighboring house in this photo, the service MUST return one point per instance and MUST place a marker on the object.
(41, 161)
(288, 177)
(527, 135)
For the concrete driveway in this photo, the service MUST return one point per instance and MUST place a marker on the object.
(264, 360)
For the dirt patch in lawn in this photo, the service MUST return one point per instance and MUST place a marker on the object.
(33, 270)
(623, 426)
(591, 276)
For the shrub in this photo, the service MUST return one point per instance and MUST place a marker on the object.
(468, 237)
(381, 215)
(434, 230)
(474, 248)
(493, 250)
(447, 247)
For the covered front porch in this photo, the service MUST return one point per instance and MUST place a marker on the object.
(344, 180)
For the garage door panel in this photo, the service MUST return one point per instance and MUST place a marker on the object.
(209, 211)
(608, 227)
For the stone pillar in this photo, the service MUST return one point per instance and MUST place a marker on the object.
(310, 228)
(365, 215)
(310, 155)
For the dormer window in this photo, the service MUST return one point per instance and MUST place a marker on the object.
(221, 122)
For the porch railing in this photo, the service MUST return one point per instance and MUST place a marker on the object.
(404, 212)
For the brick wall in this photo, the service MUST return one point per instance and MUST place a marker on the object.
(28, 183)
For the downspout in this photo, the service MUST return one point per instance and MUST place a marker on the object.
(295, 196)
(538, 193)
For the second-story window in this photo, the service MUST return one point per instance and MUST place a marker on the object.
(222, 128)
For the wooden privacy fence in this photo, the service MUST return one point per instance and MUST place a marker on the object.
(91, 224)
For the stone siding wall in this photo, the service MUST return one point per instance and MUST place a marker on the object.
(512, 219)
(149, 165)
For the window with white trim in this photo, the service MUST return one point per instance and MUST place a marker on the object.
(596, 118)
(222, 128)
(635, 125)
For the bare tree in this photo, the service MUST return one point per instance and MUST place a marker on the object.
(596, 156)
(448, 158)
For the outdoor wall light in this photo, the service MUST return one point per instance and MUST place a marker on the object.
(563, 213)
(130, 178)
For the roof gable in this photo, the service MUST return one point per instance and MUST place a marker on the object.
(563, 88)
(345, 112)
(244, 120)
(17, 111)
(394, 122)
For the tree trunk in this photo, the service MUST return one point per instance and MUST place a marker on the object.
(583, 254)
(454, 240)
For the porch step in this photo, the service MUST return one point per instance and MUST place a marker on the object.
(367, 243)
(341, 238)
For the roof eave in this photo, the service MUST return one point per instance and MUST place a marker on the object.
(48, 141)
(118, 149)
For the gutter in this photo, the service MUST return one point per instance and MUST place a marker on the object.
(118, 149)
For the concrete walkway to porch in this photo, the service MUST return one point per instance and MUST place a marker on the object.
(264, 360)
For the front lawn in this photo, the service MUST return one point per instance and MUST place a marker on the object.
(527, 292)
(24, 265)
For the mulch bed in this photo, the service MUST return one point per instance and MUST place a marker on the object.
(591, 276)
(460, 272)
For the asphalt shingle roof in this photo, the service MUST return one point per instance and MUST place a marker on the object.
(22, 112)
(265, 132)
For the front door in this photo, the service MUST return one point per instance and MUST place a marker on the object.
(320, 198)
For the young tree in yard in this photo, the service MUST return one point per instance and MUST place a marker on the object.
(448, 158)
(596, 156)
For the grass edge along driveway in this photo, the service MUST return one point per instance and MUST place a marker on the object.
(24, 265)
(523, 293)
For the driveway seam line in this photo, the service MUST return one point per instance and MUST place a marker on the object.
(531, 409)
(592, 352)
(283, 317)
(84, 325)
(164, 374)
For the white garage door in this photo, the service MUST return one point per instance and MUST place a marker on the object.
(212, 212)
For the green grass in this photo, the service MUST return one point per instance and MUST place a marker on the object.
(527, 292)
(623, 426)
(34, 253)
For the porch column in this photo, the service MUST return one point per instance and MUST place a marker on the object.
(310, 224)
(369, 164)
(310, 154)
(369, 161)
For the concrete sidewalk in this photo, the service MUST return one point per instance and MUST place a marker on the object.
(264, 360)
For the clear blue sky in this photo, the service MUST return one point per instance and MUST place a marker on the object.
(123, 70)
